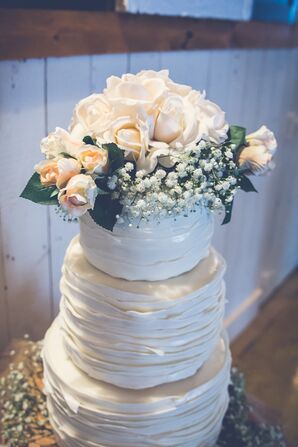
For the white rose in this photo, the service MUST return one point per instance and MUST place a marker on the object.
(79, 195)
(176, 124)
(150, 117)
(211, 118)
(130, 133)
(257, 156)
(131, 94)
(59, 141)
(93, 159)
(183, 121)
(91, 116)
(163, 75)
(263, 136)
(148, 163)
(57, 172)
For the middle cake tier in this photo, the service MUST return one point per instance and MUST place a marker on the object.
(139, 334)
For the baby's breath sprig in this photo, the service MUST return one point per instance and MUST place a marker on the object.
(25, 423)
(202, 175)
(23, 409)
(240, 427)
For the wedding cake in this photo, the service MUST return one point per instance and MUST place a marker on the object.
(138, 355)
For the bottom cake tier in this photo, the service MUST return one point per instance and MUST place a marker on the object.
(86, 412)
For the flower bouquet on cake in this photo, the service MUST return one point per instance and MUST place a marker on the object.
(147, 147)
(138, 355)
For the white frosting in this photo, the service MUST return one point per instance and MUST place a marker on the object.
(154, 251)
(137, 334)
(88, 413)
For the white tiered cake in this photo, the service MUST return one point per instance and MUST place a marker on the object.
(140, 362)
(138, 355)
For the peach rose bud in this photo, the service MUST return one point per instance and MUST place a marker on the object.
(79, 195)
(257, 157)
(94, 160)
(57, 172)
(48, 171)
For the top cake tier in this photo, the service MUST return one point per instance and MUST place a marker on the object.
(151, 251)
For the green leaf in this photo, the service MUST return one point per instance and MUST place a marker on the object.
(228, 215)
(103, 191)
(236, 135)
(89, 140)
(55, 192)
(245, 184)
(101, 183)
(38, 193)
(116, 157)
(105, 211)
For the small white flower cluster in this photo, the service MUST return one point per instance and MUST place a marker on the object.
(204, 175)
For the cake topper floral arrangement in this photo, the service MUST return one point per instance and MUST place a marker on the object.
(147, 147)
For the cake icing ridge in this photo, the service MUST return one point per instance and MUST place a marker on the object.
(138, 334)
(153, 250)
(87, 412)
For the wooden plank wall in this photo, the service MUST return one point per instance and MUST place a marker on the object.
(261, 243)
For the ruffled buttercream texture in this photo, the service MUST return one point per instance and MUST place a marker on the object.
(139, 334)
(89, 413)
(154, 251)
(136, 356)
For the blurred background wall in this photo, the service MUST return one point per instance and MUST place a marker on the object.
(260, 244)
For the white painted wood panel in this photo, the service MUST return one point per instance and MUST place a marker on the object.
(290, 135)
(4, 328)
(104, 66)
(277, 85)
(143, 61)
(24, 225)
(68, 81)
(188, 67)
(260, 244)
(234, 103)
(219, 9)
(241, 243)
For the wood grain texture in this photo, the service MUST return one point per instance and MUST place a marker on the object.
(24, 225)
(43, 33)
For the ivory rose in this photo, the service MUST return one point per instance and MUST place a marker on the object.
(79, 195)
(57, 172)
(257, 156)
(263, 136)
(176, 124)
(92, 115)
(149, 116)
(163, 75)
(212, 123)
(60, 141)
(93, 159)
(182, 122)
(130, 134)
(132, 92)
